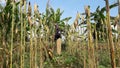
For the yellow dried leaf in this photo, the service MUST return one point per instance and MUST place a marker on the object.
(35, 8)
(16, 30)
(87, 11)
(29, 20)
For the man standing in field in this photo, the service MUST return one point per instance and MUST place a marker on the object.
(58, 39)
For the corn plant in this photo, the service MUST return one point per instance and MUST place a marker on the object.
(90, 43)
(24, 34)
(21, 43)
(12, 29)
(31, 41)
(35, 31)
(113, 64)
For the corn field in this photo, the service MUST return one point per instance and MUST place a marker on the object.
(31, 39)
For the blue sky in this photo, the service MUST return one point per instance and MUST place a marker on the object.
(70, 7)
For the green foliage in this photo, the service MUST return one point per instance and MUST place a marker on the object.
(101, 66)
(70, 60)
(104, 59)
(6, 18)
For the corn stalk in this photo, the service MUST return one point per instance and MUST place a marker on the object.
(31, 41)
(96, 47)
(119, 11)
(90, 43)
(111, 44)
(21, 43)
(24, 26)
(35, 29)
(41, 55)
(12, 34)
